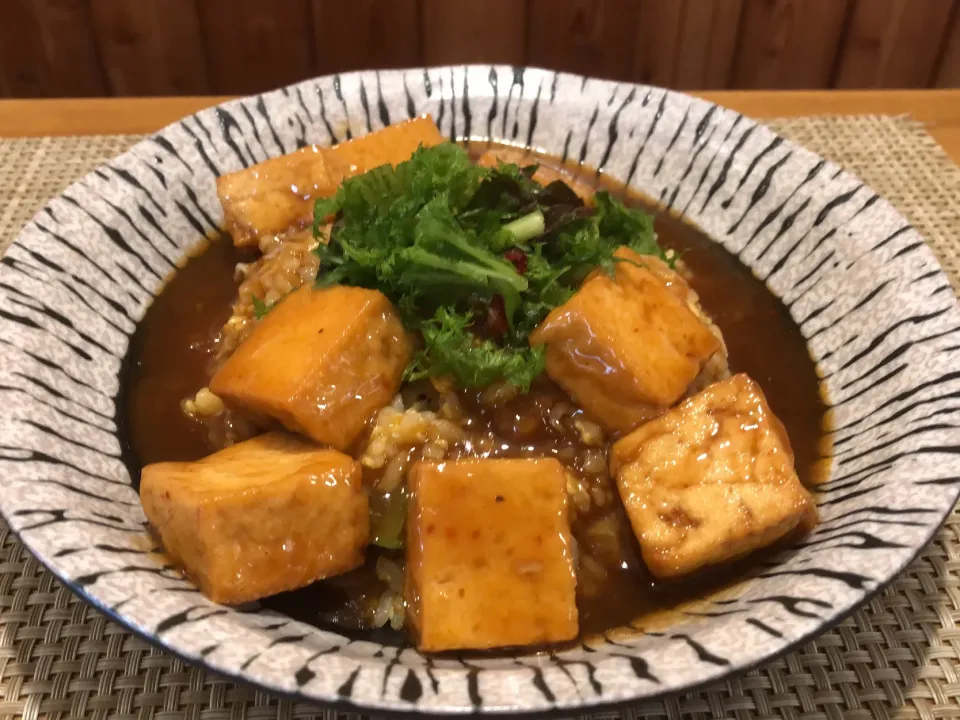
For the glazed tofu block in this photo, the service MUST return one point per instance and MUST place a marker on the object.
(489, 556)
(711, 480)
(270, 514)
(278, 194)
(389, 146)
(627, 348)
(322, 362)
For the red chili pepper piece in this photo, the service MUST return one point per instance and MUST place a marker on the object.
(496, 324)
(519, 259)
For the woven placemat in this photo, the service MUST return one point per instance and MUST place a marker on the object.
(899, 657)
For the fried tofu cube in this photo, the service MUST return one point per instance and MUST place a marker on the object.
(711, 480)
(322, 362)
(267, 515)
(626, 348)
(278, 195)
(390, 146)
(489, 555)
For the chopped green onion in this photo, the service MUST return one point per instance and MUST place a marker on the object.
(527, 227)
(387, 519)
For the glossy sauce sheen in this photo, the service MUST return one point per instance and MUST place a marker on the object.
(173, 346)
(170, 354)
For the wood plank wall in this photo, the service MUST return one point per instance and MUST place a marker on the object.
(57, 48)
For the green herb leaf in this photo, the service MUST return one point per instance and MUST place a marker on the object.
(260, 308)
(626, 226)
(451, 349)
(431, 233)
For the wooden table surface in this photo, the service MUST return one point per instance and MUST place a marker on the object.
(938, 109)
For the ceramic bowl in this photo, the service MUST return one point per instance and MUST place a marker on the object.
(876, 310)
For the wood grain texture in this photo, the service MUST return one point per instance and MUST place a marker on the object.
(48, 49)
(947, 74)
(464, 31)
(257, 45)
(659, 43)
(592, 37)
(687, 44)
(788, 43)
(366, 34)
(892, 43)
(59, 48)
(151, 47)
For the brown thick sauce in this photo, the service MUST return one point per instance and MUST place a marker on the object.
(175, 342)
